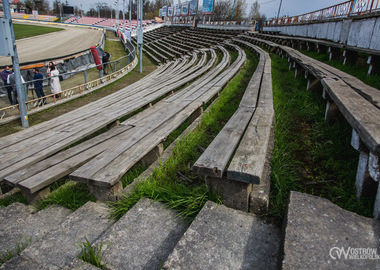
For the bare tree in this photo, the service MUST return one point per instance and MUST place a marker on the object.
(222, 10)
(254, 13)
(41, 5)
(239, 11)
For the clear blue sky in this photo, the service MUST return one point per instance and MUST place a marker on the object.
(267, 7)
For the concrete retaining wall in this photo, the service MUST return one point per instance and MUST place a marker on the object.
(362, 33)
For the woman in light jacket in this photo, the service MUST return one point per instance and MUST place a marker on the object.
(54, 82)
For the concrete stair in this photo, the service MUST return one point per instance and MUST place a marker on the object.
(12, 214)
(318, 233)
(143, 238)
(31, 227)
(224, 238)
(59, 247)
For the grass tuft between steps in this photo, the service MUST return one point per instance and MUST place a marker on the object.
(19, 247)
(173, 183)
(93, 255)
(311, 155)
(71, 195)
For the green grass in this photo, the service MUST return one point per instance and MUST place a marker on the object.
(93, 255)
(173, 182)
(311, 155)
(358, 71)
(132, 174)
(18, 197)
(25, 30)
(19, 247)
(70, 195)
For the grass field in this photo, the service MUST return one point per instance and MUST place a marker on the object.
(24, 30)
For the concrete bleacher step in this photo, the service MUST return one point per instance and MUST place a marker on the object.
(319, 233)
(32, 228)
(143, 238)
(60, 246)
(12, 214)
(224, 238)
(78, 264)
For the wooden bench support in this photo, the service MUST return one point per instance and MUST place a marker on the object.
(34, 198)
(298, 71)
(321, 48)
(374, 167)
(195, 114)
(153, 155)
(302, 46)
(291, 65)
(113, 124)
(373, 62)
(234, 194)
(310, 46)
(105, 194)
(333, 53)
(350, 57)
(332, 111)
(313, 84)
(365, 185)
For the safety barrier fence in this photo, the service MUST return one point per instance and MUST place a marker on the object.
(343, 10)
(74, 83)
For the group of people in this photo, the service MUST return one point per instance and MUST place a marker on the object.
(8, 77)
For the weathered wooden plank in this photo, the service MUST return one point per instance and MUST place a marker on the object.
(248, 162)
(361, 114)
(50, 175)
(62, 156)
(251, 94)
(217, 155)
(109, 175)
(117, 111)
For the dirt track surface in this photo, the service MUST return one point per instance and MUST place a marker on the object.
(54, 45)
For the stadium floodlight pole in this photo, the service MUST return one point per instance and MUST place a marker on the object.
(16, 68)
(140, 31)
(124, 17)
(130, 17)
(60, 11)
(118, 11)
(279, 8)
(233, 8)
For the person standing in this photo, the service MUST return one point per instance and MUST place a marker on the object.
(4, 76)
(12, 81)
(54, 81)
(38, 86)
(105, 58)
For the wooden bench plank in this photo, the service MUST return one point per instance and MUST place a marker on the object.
(214, 160)
(248, 162)
(359, 112)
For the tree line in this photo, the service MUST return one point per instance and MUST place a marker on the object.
(224, 10)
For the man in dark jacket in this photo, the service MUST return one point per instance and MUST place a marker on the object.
(105, 58)
(38, 86)
(4, 76)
